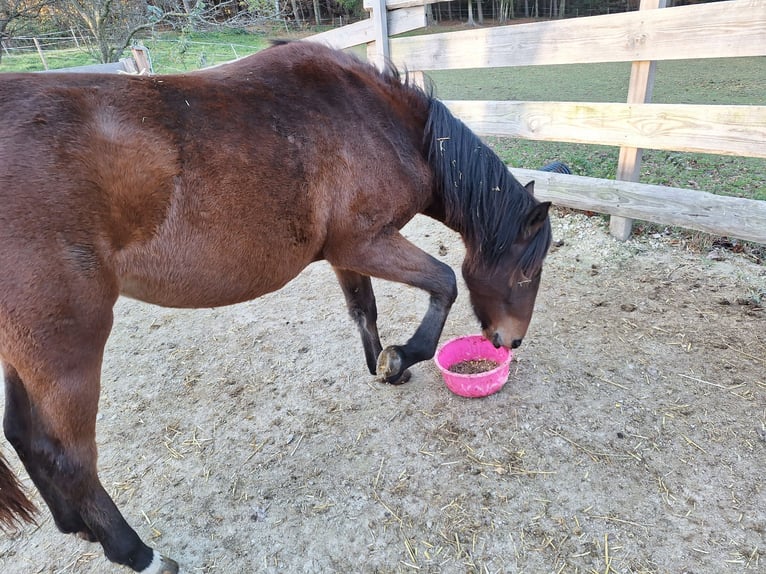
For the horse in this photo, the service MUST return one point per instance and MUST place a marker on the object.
(212, 188)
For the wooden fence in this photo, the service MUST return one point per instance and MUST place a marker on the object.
(733, 28)
(137, 63)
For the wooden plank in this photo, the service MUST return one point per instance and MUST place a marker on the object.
(399, 21)
(110, 68)
(714, 30)
(725, 130)
(692, 209)
(141, 58)
(641, 85)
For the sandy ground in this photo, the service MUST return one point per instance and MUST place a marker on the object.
(631, 436)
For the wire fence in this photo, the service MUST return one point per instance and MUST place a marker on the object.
(48, 51)
(171, 51)
(59, 40)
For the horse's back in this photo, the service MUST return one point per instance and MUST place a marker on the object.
(212, 187)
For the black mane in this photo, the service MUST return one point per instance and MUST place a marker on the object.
(482, 200)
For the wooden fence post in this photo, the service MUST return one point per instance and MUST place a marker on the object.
(379, 52)
(74, 37)
(629, 163)
(141, 58)
(40, 52)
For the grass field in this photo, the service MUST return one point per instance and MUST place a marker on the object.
(729, 81)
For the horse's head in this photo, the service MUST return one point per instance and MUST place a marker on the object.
(503, 292)
(505, 229)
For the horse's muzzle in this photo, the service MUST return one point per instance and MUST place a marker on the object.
(497, 341)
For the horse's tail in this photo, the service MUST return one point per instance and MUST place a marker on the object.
(15, 507)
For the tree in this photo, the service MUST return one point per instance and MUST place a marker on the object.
(14, 14)
(112, 23)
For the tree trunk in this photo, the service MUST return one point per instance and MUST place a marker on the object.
(3, 26)
(296, 13)
(470, 13)
(480, 12)
(317, 13)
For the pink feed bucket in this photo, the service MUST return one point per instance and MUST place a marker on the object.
(471, 348)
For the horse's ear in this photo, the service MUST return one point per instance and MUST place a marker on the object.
(536, 218)
(530, 187)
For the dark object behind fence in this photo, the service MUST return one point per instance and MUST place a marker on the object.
(557, 167)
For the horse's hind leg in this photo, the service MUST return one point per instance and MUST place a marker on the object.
(52, 390)
(19, 430)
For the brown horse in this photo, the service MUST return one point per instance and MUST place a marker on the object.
(216, 187)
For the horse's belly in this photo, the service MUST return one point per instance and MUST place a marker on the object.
(207, 282)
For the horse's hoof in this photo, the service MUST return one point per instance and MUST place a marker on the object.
(390, 363)
(161, 565)
(168, 566)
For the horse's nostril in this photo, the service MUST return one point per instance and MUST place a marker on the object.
(497, 340)
(516, 343)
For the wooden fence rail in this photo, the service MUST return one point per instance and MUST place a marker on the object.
(717, 30)
(723, 130)
(733, 28)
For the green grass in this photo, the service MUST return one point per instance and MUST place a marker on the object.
(170, 52)
(713, 81)
(29, 61)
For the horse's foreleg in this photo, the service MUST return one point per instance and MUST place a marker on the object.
(393, 258)
(395, 359)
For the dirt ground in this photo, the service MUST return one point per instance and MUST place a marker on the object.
(631, 436)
